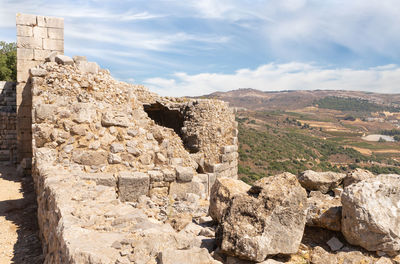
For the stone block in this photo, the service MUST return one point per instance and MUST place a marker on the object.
(155, 176)
(79, 58)
(40, 32)
(169, 175)
(51, 57)
(40, 21)
(64, 60)
(25, 54)
(54, 22)
(220, 167)
(40, 55)
(229, 149)
(55, 33)
(29, 42)
(24, 31)
(53, 44)
(88, 157)
(37, 72)
(87, 67)
(184, 174)
(106, 179)
(131, 185)
(26, 20)
(180, 189)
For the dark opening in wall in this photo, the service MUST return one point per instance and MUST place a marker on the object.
(172, 119)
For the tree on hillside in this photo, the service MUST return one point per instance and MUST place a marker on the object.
(8, 61)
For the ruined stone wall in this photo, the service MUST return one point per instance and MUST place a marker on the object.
(37, 37)
(91, 131)
(8, 134)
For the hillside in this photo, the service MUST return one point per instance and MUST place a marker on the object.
(289, 100)
(319, 130)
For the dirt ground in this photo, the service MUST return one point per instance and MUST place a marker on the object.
(19, 241)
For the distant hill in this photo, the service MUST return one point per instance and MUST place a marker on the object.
(253, 99)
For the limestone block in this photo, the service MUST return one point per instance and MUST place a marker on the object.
(53, 44)
(184, 174)
(222, 192)
(29, 42)
(64, 60)
(40, 21)
(268, 220)
(320, 181)
(371, 213)
(24, 31)
(114, 118)
(55, 33)
(51, 57)
(40, 55)
(27, 20)
(79, 58)
(87, 67)
(40, 32)
(106, 179)
(229, 149)
(37, 72)
(180, 189)
(54, 22)
(89, 157)
(155, 176)
(26, 54)
(169, 175)
(131, 185)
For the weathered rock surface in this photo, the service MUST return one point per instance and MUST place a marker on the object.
(357, 175)
(188, 256)
(324, 211)
(371, 213)
(269, 220)
(320, 181)
(222, 192)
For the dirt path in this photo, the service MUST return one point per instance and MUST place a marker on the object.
(19, 242)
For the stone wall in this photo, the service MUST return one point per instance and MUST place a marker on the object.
(8, 134)
(96, 138)
(37, 37)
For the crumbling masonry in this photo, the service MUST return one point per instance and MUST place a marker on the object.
(98, 146)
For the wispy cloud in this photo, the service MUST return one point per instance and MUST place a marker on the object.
(289, 76)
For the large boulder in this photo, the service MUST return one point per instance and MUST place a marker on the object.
(268, 220)
(324, 211)
(320, 181)
(371, 213)
(222, 192)
(357, 175)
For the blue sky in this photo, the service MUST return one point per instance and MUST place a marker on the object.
(195, 47)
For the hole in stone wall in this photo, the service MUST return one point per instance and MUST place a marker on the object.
(172, 119)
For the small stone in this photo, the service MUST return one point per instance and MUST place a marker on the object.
(334, 244)
(116, 245)
(64, 60)
(205, 220)
(117, 148)
(114, 159)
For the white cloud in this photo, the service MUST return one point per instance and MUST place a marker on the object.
(289, 76)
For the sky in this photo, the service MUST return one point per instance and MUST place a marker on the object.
(196, 47)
